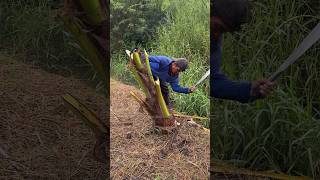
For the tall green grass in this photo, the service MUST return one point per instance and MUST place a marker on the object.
(281, 132)
(32, 30)
(188, 36)
(185, 34)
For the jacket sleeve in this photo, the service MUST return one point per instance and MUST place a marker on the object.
(222, 87)
(177, 88)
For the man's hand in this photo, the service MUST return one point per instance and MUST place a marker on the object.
(192, 89)
(261, 88)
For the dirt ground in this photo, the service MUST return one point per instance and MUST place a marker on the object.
(137, 153)
(40, 137)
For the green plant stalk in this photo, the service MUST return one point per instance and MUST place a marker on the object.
(86, 114)
(162, 103)
(148, 67)
(139, 80)
(74, 27)
(93, 10)
(137, 61)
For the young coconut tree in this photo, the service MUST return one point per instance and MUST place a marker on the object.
(88, 23)
(154, 103)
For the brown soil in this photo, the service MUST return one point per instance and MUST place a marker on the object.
(139, 153)
(40, 137)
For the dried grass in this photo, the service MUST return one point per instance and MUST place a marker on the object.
(138, 153)
(40, 138)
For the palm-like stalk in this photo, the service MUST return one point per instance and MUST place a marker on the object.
(140, 67)
(139, 80)
(137, 61)
(87, 21)
(148, 66)
(94, 11)
(162, 103)
(87, 46)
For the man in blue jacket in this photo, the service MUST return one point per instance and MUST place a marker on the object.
(228, 16)
(167, 70)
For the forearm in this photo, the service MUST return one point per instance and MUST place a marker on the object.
(179, 89)
(223, 88)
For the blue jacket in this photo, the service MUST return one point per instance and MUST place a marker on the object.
(220, 85)
(160, 66)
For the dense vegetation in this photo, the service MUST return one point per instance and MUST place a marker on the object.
(281, 132)
(33, 31)
(174, 34)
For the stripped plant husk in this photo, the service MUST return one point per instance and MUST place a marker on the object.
(148, 66)
(162, 103)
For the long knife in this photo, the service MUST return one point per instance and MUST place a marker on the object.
(203, 78)
(312, 38)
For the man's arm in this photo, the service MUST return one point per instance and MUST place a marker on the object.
(242, 91)
(220, 85)
(224, 88)
(177, 88)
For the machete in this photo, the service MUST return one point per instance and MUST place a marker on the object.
(203, 78)
(312, 38)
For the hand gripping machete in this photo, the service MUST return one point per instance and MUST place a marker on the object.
(312, 38)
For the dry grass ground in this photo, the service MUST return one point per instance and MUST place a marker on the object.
(137, 153)
(40, 138)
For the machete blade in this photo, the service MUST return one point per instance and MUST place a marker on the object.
(312, 38)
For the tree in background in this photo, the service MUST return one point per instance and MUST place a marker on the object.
(134, 22)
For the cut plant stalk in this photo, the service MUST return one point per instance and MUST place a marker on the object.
(74, 26)
(91, 34)
(93, 11)
(86, 114)
(94, 123)
(138, 78)
(148, 67)
(140, 101)
(137, 61)
(162, 103)
(228, 169)
(187, 116)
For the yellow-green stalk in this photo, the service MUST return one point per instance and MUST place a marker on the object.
(74, 26)
(148, 67)
(137, 61)
(139, 80)
(86, 114)
(93, 11)
(162, 103)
